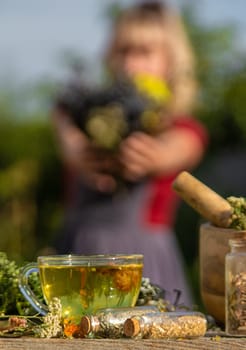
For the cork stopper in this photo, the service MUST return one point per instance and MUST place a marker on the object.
(131, 327)
(85, 325)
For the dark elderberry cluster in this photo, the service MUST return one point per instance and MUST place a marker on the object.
(109, 114)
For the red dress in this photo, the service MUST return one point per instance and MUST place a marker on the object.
(163, 200)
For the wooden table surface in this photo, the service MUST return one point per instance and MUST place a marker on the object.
(205, 343)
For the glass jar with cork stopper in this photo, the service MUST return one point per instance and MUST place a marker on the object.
(166, 325)
(235, 287)
(109, 322)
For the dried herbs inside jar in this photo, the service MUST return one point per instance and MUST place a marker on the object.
(236, 301)
(235, 275)
(166, 325)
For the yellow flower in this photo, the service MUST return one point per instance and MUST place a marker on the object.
(153, 87)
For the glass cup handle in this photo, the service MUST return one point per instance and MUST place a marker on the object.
(26, 290)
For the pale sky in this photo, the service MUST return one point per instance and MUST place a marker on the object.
(33, 33)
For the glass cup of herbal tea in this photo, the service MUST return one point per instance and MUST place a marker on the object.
(84, 283)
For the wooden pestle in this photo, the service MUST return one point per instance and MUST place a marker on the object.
(203, 199)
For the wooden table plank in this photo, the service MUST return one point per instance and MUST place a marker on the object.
(122, 344)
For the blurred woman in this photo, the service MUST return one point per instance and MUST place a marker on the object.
(148, 39)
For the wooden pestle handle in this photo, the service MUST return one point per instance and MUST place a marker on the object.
(203, 199)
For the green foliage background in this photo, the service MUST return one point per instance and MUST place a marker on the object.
(31, 207)
(30, 180)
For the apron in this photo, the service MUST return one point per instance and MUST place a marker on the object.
(111, 224)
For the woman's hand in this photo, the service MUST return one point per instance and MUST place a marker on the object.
(97, 168)
(169, 152)
(140, 156)
(94, 166)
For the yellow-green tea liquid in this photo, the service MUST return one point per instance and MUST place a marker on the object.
(86, 289)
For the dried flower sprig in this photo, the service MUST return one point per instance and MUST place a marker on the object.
(52, 321)
(48, 326)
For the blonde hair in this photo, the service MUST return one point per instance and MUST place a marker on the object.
(151, 21)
